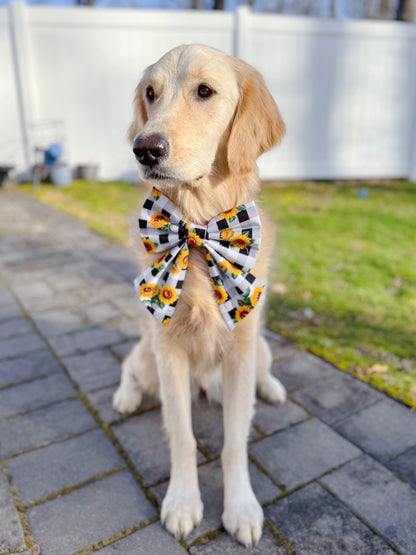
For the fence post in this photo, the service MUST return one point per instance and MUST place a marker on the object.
(242, 33)
(20, 48)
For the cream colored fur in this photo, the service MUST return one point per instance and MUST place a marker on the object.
(214, 144)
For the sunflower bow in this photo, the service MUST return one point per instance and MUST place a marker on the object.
(232, 241)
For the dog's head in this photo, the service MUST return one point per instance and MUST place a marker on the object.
(197, 112)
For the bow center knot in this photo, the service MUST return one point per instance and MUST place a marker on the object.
(197, 234)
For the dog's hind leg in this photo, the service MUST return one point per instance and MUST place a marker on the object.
(138, 376)
(268, 387)
(182, 505)
(243, 515)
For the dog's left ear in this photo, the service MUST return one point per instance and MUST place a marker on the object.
(257, 125)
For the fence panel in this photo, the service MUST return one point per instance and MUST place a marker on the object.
(11, 144)
(88, 63)
(346, 90)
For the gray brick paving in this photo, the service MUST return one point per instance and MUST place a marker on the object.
(336, 397)
(91, 514)
(405, 465)
(15, 327)
(27, 367)
(315, 522)
(384, 430)
(80, 308)
(152, 540)
(63, 464)
(381, 499)
(302, 453)
(11, 532)
(44, 425)
(94, 370)
(31, 395)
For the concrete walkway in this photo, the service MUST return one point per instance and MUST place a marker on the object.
(335, 467)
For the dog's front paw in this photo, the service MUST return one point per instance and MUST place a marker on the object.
(126, 399)
(181, 512)
(243, 519)
(271, 390)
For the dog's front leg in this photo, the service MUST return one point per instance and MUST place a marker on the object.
(242, 516)
(182, 505)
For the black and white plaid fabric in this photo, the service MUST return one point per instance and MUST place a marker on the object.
(232, 241)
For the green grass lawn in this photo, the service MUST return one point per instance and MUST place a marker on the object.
(344, 277)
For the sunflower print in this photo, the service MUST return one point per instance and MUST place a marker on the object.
(220, 294)
(208, 256)
(158, 220)
(240, 241)
(228, 214)
(242, 312)
(234, 270)
(194, 240)
(182, 260)
(156, 193)
(227, 234)
(159, 262)
(255, 296)
(148, 290)
(175, 270)
(149, 246)
(166, 321)
(223, 264)
(168, 295)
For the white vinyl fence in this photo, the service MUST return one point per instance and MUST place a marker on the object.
(346, 90)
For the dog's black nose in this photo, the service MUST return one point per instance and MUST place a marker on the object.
(151, 150)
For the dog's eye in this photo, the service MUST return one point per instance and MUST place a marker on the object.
(204, 91)
(150, 94)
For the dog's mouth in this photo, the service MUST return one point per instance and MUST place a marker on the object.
(158, 174)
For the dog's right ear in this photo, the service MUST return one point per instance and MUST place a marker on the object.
(140, 114)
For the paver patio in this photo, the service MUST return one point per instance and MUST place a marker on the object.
(334, 467)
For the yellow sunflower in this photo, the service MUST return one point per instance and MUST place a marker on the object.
(229, 213)
(255, 296)
(242, 312)
(182, 259)
(220, 294)
(234, 270)
(208, 256)
(167, 294)
(156, 193)
(158, 220)
(240, 241)
(194, 240)
(150, 247)
(166, 320)
(223, 264)
(148, 290)
(175, 270)
(159, 262)
(227, 234)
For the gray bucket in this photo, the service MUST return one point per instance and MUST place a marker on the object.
(60, 175)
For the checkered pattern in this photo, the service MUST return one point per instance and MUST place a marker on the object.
(232, 241)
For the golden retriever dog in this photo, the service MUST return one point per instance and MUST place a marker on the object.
(201, 119)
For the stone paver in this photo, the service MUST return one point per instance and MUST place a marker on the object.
(91, 514)
(152, 540)
(11, 532)
(302, 453)
(334, 467)
(336, 397)
(44, 425)
(313, 521)
(384, 430)
(63, 464)
(381, 499)
(31, 395)
(27, 367)
(94, 370)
